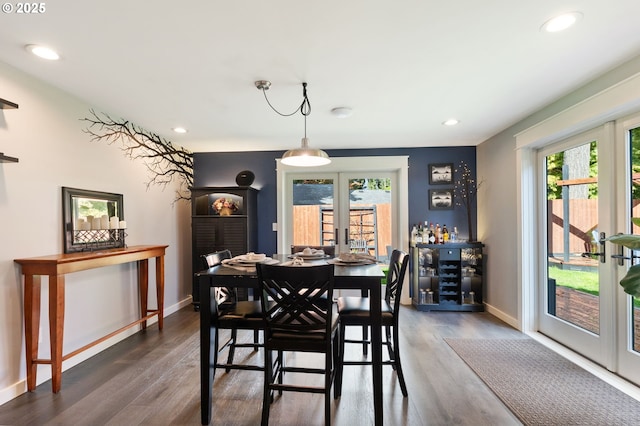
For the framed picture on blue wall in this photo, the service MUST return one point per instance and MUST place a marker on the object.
(441, 199)
(441, 174)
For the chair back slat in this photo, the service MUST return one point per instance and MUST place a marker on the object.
(214, 259)
(225, 297)
(295, 297)
(395, 277)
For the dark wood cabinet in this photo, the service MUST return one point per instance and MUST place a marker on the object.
(213, 230)
(448, 277)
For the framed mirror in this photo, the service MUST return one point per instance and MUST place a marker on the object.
(92, 220)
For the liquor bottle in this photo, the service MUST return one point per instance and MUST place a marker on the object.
(454, 235)
(432, 235)
(445, 234)
(414, 235)
(420, 235)
(438, 234)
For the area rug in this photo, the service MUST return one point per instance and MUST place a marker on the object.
(542, 387)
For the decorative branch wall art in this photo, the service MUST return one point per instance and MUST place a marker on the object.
(163, 160)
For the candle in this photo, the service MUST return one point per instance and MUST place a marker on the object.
(104, 222)
(95, 223)
(86, 226)
(80, 224)
(113, 222)
(122, 224)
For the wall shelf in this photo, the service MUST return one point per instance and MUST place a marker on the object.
(7, 159)
(5, 104)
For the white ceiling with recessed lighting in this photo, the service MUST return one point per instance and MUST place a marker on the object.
(403, 67)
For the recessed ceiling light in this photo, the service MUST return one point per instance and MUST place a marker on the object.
(342, 112)
(561, 22)
(451, 122)
(43, 52)
(180, 130)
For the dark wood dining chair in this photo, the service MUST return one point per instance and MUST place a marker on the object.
(354, 311)
(229, 313)
(297, 321)
(328, 250)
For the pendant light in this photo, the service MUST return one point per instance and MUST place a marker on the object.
(303, 156)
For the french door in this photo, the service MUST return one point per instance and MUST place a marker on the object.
(577, 289)
(352, 211)
(628, 314)
(588, 192)
(353, 204)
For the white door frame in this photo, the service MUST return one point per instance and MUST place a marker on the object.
(398, 164)
(611, 103)
(395, 164)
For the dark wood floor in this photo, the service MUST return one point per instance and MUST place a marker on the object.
(152, 378)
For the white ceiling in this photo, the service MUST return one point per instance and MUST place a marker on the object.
(403, 66)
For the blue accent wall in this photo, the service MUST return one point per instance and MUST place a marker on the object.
(221, 168)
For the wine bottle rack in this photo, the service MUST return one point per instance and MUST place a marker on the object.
(453, 272)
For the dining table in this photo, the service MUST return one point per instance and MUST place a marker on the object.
(363, 277)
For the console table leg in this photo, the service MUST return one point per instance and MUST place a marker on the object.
(31, 326)
(143, 283)
(56, 327)
(160, 289)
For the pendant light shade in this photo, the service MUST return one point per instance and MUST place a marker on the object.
(303, 156)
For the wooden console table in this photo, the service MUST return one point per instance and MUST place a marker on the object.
(56, 266)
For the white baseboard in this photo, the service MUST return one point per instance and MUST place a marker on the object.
(513, 322)
(44, 371)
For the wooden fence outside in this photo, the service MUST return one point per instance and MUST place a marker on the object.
(583, 217)
(307, 225)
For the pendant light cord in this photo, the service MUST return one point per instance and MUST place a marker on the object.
(303, 156)
(304, 108)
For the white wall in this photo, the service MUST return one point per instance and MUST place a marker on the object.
(498, 198)
(47, 136)
(496, 167)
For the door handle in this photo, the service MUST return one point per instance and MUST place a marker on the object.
(621, 257)
(603, 251)
(337, 237)
(346, 235)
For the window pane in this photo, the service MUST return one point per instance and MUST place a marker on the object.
(313, 212)
(572, 226)
(370, 216)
